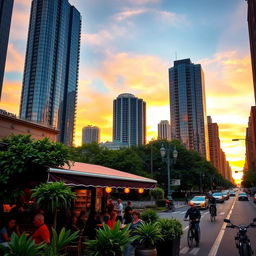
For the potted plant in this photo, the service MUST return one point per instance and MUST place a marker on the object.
(147, 235)
(110, 242)
(171, 230)
(149, 216)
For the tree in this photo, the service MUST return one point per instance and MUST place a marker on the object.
(53, 197)
(25, 161)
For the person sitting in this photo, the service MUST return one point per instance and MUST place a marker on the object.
(128, 213)
(7, 230)
(112, 221)
(42, 233)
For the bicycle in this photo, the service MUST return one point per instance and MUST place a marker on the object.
(191, 234)
(242, 241)
(212, 213)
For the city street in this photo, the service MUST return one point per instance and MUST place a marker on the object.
(215, 239)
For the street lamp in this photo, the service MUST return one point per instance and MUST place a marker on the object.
(169, 161)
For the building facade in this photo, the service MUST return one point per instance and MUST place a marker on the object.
(251, 17)
(188, 106)
(114, 145)
(6, 7)
(164, 130)
(129, 120)
(49, 92)
(90, 134)
(10, 124)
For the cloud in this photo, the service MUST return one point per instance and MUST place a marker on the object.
(14, 60)
(129, 13)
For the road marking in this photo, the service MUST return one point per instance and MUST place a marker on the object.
(217, 242)
(194, 251)
(185, 228)
(183, 212)
(184, 250)
(222, 213)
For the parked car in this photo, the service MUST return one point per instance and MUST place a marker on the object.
(243, 197)
(219, 197)
(254, 198)
(200, 202)
(225, 194)
(232, 193)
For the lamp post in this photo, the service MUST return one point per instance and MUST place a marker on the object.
(166, 152)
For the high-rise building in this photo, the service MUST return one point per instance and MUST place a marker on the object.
(251, 17)
(6, 7)
(90, 134)
(214, 143)
(188, 107)
(129, 120)
(49, 91)
(164, 130)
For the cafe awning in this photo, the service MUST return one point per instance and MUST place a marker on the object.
(90, 175)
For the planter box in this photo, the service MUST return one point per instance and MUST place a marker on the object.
(169, 248)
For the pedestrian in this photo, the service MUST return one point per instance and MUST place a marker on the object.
(42, 234)
(8, 229)
(110, 206)
(119, 209)
(112, 221)
(128, 213)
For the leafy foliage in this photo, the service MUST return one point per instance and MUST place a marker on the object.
(157, 193)
(149, 216)
(170, 229)
(147, 234)
(22, 246)
(25, 160)
(109, 242)
(249, 179)
(59, 242)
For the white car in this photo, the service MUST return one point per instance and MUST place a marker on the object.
(219, 197)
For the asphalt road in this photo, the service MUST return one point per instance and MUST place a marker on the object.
(216, 240)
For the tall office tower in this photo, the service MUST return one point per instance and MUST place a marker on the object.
(164, 130)
(49, 92)
(129, 120)
(90, 134)
(214, 143)
(6, 7)
(251, 17)
(188, 107)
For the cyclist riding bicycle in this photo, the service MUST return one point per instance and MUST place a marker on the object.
(212, 205)
(194, 216)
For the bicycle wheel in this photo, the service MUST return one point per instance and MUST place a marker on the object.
(190, 237)
(245, 250)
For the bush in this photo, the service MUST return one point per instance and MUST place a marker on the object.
(149, 216)
(160, 202)
(157, 193)
(170, 229)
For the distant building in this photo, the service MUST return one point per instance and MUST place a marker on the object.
(251, 17)
(164, 130)
(188, 106)
(115, 145)
(49, 92)
(214, 143)
(10, 124)
(6, 7)
(90, 134)
(129, 120)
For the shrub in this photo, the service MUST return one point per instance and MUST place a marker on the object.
(157, 193)
(160, 202)
(149, 216)
(170, 229)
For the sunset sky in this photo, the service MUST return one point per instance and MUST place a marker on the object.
(128, 46)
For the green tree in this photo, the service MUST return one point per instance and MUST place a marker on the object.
(53, 197)
(26, 160)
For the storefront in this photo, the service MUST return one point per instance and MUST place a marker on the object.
(93, 183)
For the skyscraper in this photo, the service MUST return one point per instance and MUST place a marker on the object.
(164, 130)
(49, 92)
(90, 134)
(129, 120)
(251, 17)
(6, 7)
(188, 107)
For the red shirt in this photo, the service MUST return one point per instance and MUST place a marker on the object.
(42, 234)
(111, 223)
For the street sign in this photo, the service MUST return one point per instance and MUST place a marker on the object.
(175, 182)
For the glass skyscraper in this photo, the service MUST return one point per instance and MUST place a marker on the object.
(49, 92)
(6, 7)
(188, 107)
(129, 120)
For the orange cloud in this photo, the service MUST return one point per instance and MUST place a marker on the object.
(14, 60)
